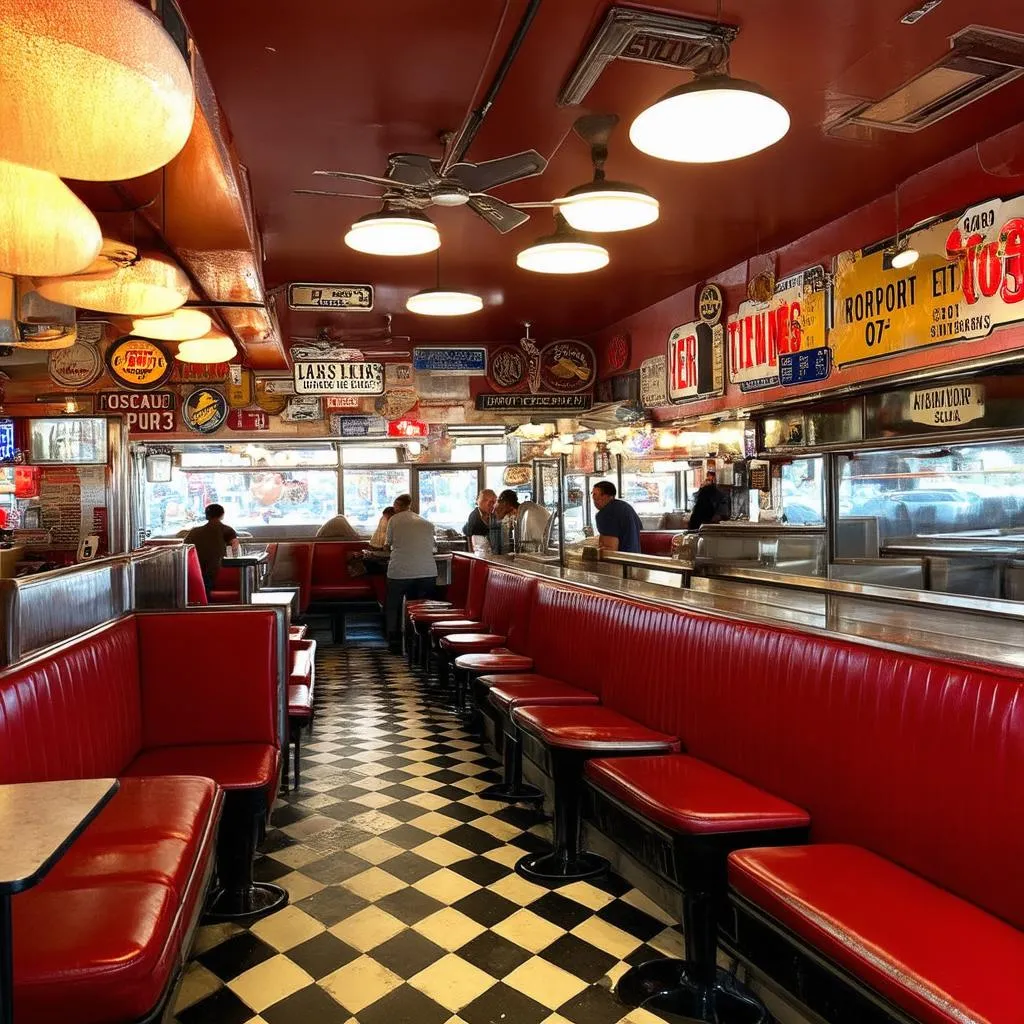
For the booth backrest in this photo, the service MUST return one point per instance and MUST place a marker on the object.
(194, 575)
(330, 560)
(507, 607)
(475, 590)
(75, 711)
(227, 586)
(458, 588)
(657, 542)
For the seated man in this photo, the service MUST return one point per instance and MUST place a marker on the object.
(617, 522)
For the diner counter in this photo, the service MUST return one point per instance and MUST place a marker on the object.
(993, 633)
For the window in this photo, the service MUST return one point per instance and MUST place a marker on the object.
(650, 493)
(803, 496)
(447, 496)
(467, 453)
(224, 456)
(367, 492)
(385, 455)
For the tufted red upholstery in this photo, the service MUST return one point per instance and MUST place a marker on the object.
(458, 588)
(507, 607)
(890, 928)
(657, 542)
(329, 578)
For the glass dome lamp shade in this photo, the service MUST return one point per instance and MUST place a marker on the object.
(148, 286)
(438, 302)
(711, 119)
(214, 347)
(45, 229)
(564, 252)
(181, 325)
(602, 206)
(905, 257)
(94, 90)
(393, 233)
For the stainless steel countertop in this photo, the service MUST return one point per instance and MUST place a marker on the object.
(896, 625)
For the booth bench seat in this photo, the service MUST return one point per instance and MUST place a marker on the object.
(300, 701)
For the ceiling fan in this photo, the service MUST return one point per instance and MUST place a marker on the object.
(349, 343)
(414, 182)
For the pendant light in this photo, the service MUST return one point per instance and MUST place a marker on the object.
(94, 90)
(213, 347)
(146, 285)
(564, 252)
(45, 228)
(181, 325)
(602, 205)
(438, 301)
(393, 233)
(713, 118)
(901, 254)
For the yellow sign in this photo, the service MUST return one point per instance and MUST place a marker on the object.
(138, 364)
(238, 387)
(968, 279)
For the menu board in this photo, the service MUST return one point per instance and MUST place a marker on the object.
(72, 501)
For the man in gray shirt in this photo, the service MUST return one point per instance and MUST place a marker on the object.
(412, 570)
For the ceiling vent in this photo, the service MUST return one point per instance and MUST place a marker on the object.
(650, 37)
(980, 61)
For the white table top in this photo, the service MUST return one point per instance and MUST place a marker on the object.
(39, 820)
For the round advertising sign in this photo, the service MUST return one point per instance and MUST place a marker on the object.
(566, 367)
(204, 411)
(709, 304)
(75, 367)
(138, 364)
(507, 368)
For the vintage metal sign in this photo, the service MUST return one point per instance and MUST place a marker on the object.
(968, 280)
(144, 413)
(710, 304)
(330, 378)
(471, 361)
(398, 375)
(238, 388)
(302, 409)
(341, 403)
(406, 427)
(653, 382)
(138, 364)
(950, 406)
(807, 367)
(566, 367)
(615, 356)
(359, 426)
(489, 402)
(695, 361)
(508, 368)
(792, 320)
(77, 366)
(248, 419)
(349, 297)
(204, 411)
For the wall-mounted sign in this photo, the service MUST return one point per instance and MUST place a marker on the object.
(248, 419)
(602, 461)
(792, 320)
(341, 403)
(615, 356)
(710, 304)
(471, 361)
(566, 367)
(653, 382)
(396, 402)
(528, 403)
(441, 388)
(968, 280)
(406, 427)
(198, 373)
(398, 375)
(75, 367)
(349, 297)
(275, 385)
(507, 369)
(150, 412)
(806, 367)
(138, 364)
(8, 450)
(302, 409)
(695, 361)
(327, 378)
(324, 352)
(949, 406)
(238, 388)
(204, 411)
(359, 426)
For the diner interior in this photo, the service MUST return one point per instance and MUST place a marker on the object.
(511, 512)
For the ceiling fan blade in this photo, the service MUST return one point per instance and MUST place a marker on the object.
(372, 179)
(491, 173)
(333, 195)
(412, 169)
(532, 206)
(499, 215)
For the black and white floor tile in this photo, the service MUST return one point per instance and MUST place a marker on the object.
(405, 908)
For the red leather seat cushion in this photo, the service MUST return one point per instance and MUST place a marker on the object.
(232, 765)
(300, 701)
(431, 615)
(453, 624)
(302, 666)
(520, 690)
(940, 958)
(496, 661)
(356, 588)
(423, 604)
(590, 728)
(692, 797)
(471, 643)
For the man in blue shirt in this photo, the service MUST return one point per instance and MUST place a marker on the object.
(616, 520)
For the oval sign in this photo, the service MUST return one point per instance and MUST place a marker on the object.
(204, 411)
(709, 305)
(138, 364)
(77, 366)
(507, 368)
(566, 367)
(269, 401)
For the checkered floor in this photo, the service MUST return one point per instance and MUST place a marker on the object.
(404, 905)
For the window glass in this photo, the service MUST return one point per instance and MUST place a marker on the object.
(367, 492)
(384, 455)
(467, 453)
(965, 489)
(211, 456)
(650, 493)
(495, 453)
(576, 497)
(803, 495)
(447, 496)
(250, 498)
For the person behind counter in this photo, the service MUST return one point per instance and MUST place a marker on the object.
(380, 535)
(617, 522)
(412, 569)
(711, 504)
(337, 528)
(506, 513)
(211, 542)
(479, 522)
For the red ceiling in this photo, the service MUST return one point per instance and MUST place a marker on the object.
(318, 83)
